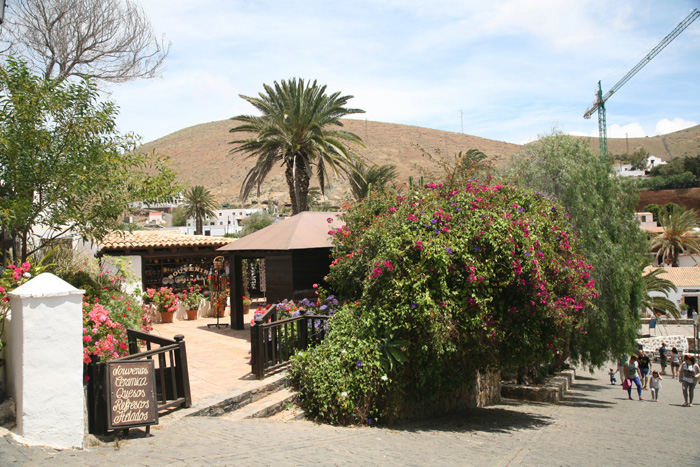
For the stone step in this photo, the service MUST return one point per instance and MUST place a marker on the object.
(265, 407)
(552, 391)
(222, 404)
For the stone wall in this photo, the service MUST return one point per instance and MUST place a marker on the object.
(486, 390)
(651, 345)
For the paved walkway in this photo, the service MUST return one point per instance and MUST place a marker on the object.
(596, 425)
(217, 357)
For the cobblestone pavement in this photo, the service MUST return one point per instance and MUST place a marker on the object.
(596, 425)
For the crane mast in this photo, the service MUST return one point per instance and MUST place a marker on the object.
(599, 104)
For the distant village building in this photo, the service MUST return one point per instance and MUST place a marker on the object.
(626, 170)
(647, 222)
(687, 282)
(227, 221)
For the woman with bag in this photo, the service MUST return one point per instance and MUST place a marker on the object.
(633, 374)
(688, 376)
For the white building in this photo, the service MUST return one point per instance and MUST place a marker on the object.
(625, 170)
(686, 280)
(227, 221)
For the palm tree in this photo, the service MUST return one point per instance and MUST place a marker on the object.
(199, 203)
(364, 179)
(654, 283)
(678, 235)
(299, 127)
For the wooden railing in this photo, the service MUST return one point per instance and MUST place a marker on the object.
(172, 374)
(272, 342)
(172, 381)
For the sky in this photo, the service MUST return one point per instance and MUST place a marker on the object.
(508, 70)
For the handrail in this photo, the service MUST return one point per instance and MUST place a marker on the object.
(270, 314)
(273, 343)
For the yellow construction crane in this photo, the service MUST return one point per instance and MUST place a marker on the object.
(599, 104)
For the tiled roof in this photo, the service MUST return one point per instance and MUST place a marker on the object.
(159, 239)
(681, 277)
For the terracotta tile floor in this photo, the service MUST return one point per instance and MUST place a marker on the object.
(217, 358)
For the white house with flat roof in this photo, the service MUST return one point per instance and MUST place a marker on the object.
(227, 221)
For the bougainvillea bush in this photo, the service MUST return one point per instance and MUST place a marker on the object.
(439, 283)
(105, 322)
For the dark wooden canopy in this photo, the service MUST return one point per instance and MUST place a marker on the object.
(296, 252)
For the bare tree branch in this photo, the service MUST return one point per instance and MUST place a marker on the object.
(108, 40)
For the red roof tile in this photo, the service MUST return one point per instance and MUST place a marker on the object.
(160, 239)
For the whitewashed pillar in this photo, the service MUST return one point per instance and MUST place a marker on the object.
(46, 362)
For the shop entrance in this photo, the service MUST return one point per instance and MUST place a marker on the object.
(692, 303)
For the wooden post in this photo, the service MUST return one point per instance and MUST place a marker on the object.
(303, 332)
(181, 362)
(256, 349)
(236, 285)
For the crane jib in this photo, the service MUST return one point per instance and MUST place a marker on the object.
(599, 104)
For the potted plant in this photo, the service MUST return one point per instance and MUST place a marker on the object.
(165, 301)
(246, 305)
(192, 299)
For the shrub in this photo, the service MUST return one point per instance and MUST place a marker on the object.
(342, 380)
(447, 280)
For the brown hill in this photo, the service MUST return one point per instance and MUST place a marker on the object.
(200, 154)
(681, 143)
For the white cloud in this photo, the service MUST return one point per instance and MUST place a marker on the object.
(632, 130)
(514, 68)
(669, 126)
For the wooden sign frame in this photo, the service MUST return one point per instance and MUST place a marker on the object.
(131, 394)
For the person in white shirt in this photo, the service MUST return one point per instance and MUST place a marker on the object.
(688, 376)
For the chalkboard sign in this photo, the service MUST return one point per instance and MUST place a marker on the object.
(131, 397)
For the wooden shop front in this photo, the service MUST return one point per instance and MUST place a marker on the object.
(166, 258)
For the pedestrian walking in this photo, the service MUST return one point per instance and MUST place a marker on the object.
(655, 385)
(612, 374)
(688, 376)
(663, 357)
(675, 362)
(633, 375)
(644, 367)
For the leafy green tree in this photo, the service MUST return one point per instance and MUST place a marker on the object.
(601, 209)
(638, 159)
(655, 209)
(199, 204)
(364, 179)
(659, 287)
(179, 216)
(678, 236)
(63, 166)
(300, 128)
(255, 222)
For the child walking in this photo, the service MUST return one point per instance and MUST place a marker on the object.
(612, 373)
(655, 385)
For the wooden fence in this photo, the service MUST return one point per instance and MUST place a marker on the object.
(172, 379)
(272, 342)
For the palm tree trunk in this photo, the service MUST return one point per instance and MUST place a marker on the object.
(302, 181)
(289, 175)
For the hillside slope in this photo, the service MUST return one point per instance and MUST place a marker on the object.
(200, 154)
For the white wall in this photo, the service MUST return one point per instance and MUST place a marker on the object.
(134, 268)
(45, 357)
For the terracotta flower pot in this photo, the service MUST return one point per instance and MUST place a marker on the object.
(167, 316)
(192, 314)
(246, 309)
